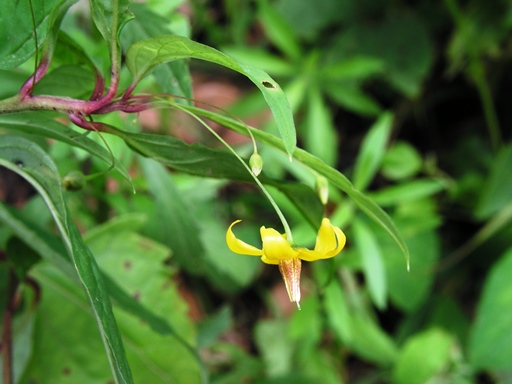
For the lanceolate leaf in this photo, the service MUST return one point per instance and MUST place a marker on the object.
(33, 164)
(41, 124)
(197, 159)
(144, 55)
(335, 177)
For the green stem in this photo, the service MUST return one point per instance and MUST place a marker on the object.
(286, 227)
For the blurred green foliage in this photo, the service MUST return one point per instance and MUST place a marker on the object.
(409, 99)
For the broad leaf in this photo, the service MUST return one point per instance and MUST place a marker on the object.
(490, 344)
(143, 56)
(16, 28)
(29, 161)
(423, 358)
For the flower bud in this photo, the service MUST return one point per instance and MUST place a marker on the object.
(74, 181)
(322, 189)
(256, 163)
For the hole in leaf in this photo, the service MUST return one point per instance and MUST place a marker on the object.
(19, 163)
(268, 84)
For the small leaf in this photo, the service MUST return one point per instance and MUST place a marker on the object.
(321, 139)
(373, 264)
(372, 151)
(401, 161)
(173, 77)
(144, 55)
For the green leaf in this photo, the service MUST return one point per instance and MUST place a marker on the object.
(339, 180)
(174, 77)
(16, 28)
(352, 68)
(260, 58)
(44, 125)
(401, 161)
(110, 16)
(277, 354)
(490, 344)
(278, 30)
(409, 289)
(30, 162)
(372, 151)
(171, 223)
(144, 55)
(137, 264)
(408, 191)
(497, 189)
(321, 139)
(359, 333)
(424, 356)
(351, 97)
(196, 159)
(373, 264)
(70, 81)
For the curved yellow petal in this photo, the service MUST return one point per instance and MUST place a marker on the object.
(275, 246)
(238, 246)
(330, 240)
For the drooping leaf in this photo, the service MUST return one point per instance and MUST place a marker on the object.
(144, 55)
(197, 159)
(339, 180)
(33, 164)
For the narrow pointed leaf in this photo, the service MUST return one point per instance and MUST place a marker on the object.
(34, 165)
(144, 55)
(339, 180)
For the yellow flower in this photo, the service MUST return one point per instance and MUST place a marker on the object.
(276, 250)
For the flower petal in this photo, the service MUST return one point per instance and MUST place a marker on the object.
(290, 270)
(275, 246)
(238, 246)
(330, 240)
